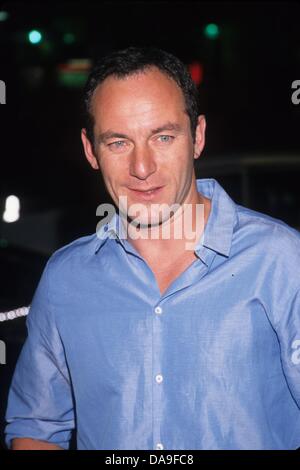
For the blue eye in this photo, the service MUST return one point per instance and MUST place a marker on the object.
(166, 138)
(117, 145)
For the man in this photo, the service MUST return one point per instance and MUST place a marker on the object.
(148, 341)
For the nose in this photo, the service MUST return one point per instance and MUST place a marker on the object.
(142, 162)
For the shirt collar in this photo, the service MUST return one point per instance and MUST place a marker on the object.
(219, 228)
(107, 230)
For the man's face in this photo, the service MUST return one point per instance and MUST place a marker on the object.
(143, 142)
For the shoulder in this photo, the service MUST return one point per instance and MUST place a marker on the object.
(64, 273)
(275, 230)
(272, 242)
(63, 276)
(74, 253)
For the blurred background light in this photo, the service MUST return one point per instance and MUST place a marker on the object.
(69, 38)
(74, 72)
(212, 31)
(4, 15)
(196, 71)
(3, 243)
(34, 36)
(12, 209)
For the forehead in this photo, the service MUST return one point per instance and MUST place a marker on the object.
(146, 95)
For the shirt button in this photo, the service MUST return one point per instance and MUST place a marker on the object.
(159, 378)
(159, 446)
(158, 310)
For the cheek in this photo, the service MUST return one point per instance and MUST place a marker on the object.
(110, 170)
(115, 176)
(181, 166)
(183, 153)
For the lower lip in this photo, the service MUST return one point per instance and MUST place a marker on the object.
(147, 195)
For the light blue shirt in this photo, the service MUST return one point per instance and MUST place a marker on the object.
(213, 363)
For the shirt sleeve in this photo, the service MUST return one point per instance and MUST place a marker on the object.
(40, 403)
(288, 332)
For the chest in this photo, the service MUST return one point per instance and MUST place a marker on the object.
(166, 275)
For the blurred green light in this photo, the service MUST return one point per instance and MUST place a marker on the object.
(73, 79)
(3, 243)
(211, 31)
(69, 38)
(4, 15)
(34, 36)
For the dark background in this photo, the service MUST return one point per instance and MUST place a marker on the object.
(253, 138)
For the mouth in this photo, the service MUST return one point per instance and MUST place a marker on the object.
(147, 194)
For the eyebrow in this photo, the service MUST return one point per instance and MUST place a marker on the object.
(169, 126)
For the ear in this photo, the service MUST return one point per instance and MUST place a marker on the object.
(88, 150)
(200, 136)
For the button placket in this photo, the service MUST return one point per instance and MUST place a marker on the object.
(157, 378)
